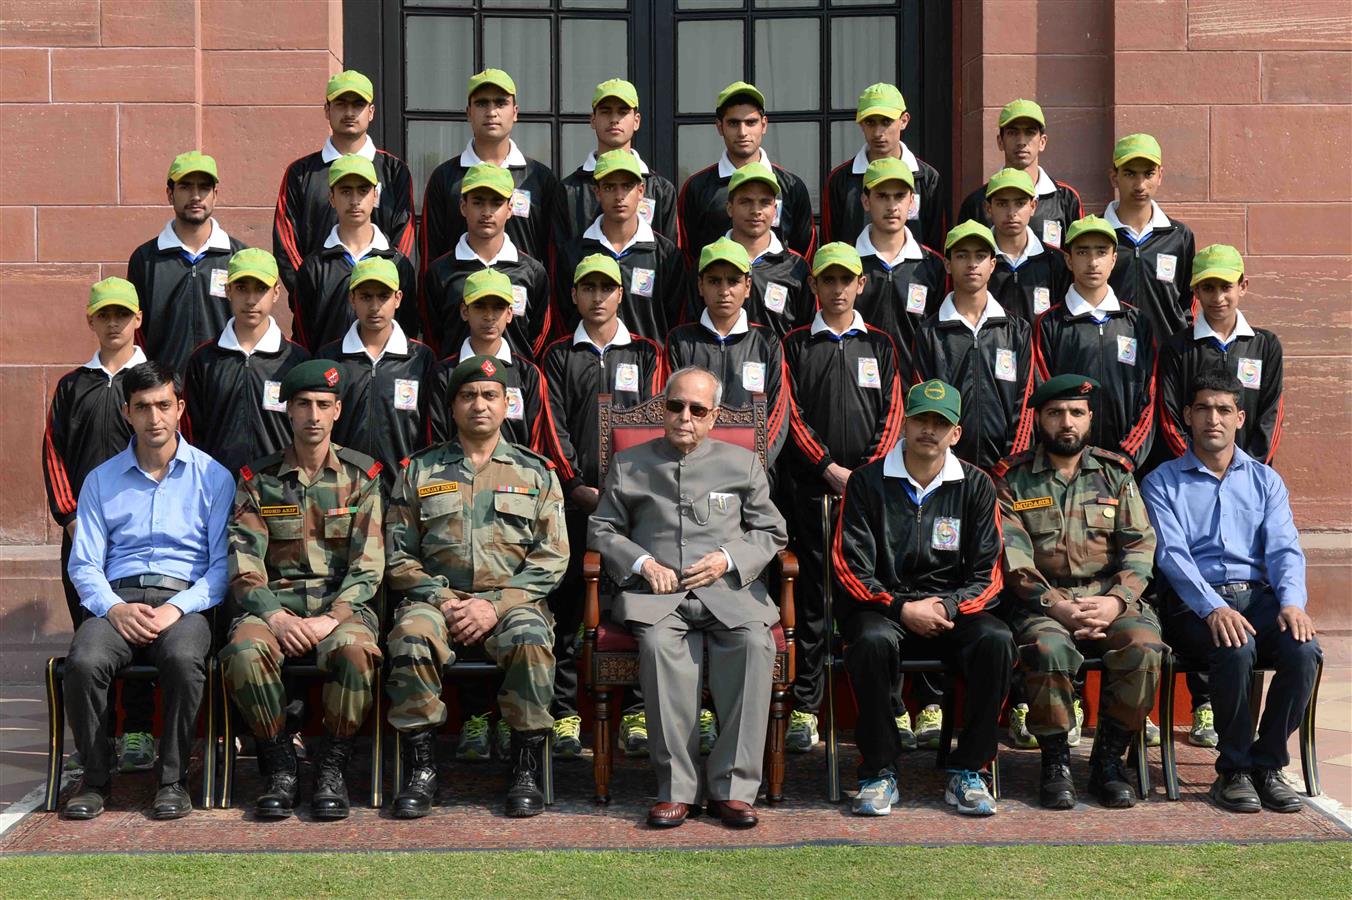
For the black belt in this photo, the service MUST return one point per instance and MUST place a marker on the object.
(151, 581)
(1232, 588)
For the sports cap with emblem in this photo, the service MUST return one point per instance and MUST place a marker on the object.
(755, 171)
(1137, 146)
(617, 161)
(1219, 261)
(192, 161)
(1063, 387)
(888, 168)
(937, 397)
(736, 89)
(489, 177)
(1090, 225)
(970, 229)
(1013, 179)
(495, 77)
(881, 99)
(837, 253)
(374, 268)
(618, 88)
(113, 291)
(476, 368)
(321, 375)
(352, 164)
(725, 250)
(252, 262)
(350, 82)
(1021, 109)
(601, 264)
(487, 283)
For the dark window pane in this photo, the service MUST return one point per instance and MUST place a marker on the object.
(592, 50)
(708, 59)
(709, 4)
(697, 146)
(787, 4)
(577, 141)
(438, 60)
(863, 51)
(595, 4)
(516, 4)
(521, 48)
(788, 69)
(796, 147)
(846, 139)
(429, 145)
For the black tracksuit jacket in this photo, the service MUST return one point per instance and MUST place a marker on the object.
(582, 207)
(897, 299)
(525, 422)
(843, 216)
(1168, 302)
(1034, 287)
(85, 428)
(702, 212)
(655, 267)
(320, 309)
(178, 309)
(443, 288)
(1062, 206)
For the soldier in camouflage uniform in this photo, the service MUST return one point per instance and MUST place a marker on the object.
(1078, 555)
(476, 542)
(307, 552)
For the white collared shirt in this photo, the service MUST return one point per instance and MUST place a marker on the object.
(169, 240)
(138, 356)
(589, 164)
(1078, 306)
(726, 168)
(857, 324)
(861, 160)
(503, 353)
(1157, 220)
(894, 466)
(378, 241)
(775, 247)
(515, 158)
(643, 235)
(506, 253)
(396, 344)
(1032, 248)
(1201, 329)
(1045, 185)
(270, 342)
(329, 152)
(948, 312)
(621, 338)
(910, 249)
(741, 326)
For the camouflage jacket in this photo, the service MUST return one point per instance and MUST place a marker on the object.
(310, 546)
(497, 534)
(1082, 537)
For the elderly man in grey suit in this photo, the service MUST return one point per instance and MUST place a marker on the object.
(685, 525)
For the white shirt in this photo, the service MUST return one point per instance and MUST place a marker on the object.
(270, 342)
(329, 152)
(861, 160)
(1078, 306)
(948, 312)
(138, 356)
(397, 343)
(503, 353)
(741, 326)
(643, 235)
(1202, 329)
(726, 168)
(515, 158)
(1045, 184)
(774, 247)
(506, 253)
(169, 240)
(378, 241)
(589, 164)
(910, 248)
(894, 466)
(857, 324)
(621, 337)
(1157, 220)
(1032, 248)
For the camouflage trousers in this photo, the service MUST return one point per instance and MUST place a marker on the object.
(522, 646)
(1132, 653)
(349, 657)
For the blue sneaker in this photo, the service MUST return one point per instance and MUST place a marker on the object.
(968, 792)
(876, 795)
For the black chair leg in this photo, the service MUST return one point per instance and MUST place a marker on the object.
(1309, 753)
(949, 705)
(1168, 751)
(209, 705)
(229, 749)
(377, 717)
(56, 730)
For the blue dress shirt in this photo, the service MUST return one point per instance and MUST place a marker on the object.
(1213, 531)
(129, 524)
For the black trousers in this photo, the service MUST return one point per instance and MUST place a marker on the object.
(1232, 669)
(98, 653)
(979, 648)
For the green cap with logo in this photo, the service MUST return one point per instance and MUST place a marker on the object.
(881, 99)
(485, 283)
(970, 229)
(319, 375)
(740, 87)
(1016, 179)
(252, 262)
(837, 253)
(725, 250)
(1089, 225)
(756, 171)
(1021, 109)
(192, 161)
(352, 164)
(476, 368)
(889, 168)
(617, 162)
(374, 268)
(350, 82)
(489, 177)
(1063, 387)
(1217, 261)
(493, 77)
(618, 88)
(113, 291)
(599, 264)
(1137, 146)
(934, 396)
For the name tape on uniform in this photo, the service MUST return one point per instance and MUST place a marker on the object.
(438, 487)
(270, 511)
(1032, 503)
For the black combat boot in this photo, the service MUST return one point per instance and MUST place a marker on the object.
(524, 797)
(420, 759)
(277, 759)
(1108, 780)
(329, 800)
(1057, 790)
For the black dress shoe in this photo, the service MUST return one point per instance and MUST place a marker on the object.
(1274, 792)
(1234, 791)
(87, 801)
(171, 802)
(668, 815)
(734, 813)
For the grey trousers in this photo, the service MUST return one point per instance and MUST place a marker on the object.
(98, 653)
(671, 660)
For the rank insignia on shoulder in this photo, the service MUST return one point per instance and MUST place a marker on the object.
(438, 487)
(374, 470)
(246, 473)
(1032, 503)
(269, 511)
(512, 489)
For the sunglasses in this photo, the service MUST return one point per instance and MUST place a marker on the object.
(676, 407)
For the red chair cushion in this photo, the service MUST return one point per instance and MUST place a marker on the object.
(612, 638)
(626, 436)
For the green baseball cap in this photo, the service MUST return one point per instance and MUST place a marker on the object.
(617, 88)
(755, 171)
(1137, 146)
(321, 375)
(489, 177)
(252, 262)
(889, 168)
(1089, 225)
(613, 161)
(1217, 261)
(350, 82)
(374, 268)
(1017, 179)
(937, 397)
(113, 291)
(1063, 387)
(725, 250)
(476, 368)
(192, 161)
(836, 253)
(598, 263)
(970, 229)
(881, 99)
(352, 164)
(485, 283)
(1021, 109)
(740, 87)
(495, 77)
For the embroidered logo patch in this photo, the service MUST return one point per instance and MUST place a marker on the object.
(488, 368)
(947, 533)
(331, 377)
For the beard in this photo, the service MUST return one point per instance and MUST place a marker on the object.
(1067, 446)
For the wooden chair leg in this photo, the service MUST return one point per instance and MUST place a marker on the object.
(211, 704)
(1142, 760)
(1256, 698)
(1309, 753)
(602, 742)
(56, 730)
(774, 745)
(547, 770)
(377, 742)
(1168, 751)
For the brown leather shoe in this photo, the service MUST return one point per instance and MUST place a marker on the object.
(668, 815)
(734, 813)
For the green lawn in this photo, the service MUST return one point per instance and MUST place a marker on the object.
(1251, 871)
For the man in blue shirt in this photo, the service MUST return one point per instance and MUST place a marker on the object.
(1229, 549)
(149, 558)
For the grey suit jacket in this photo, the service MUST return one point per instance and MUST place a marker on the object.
(678, 508)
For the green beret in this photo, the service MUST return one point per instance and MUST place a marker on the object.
(476, 368)
(311, 375)
(1063, 387)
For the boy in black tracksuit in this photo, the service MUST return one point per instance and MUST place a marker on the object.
(1022, 137)
(904, 281)
(1092, 333)
(656, 288)
(601, 356)
(485, 194)
(320, 309)
(180, 275)
(702, 205)
(1029, 276)
(232, 389)
(882, 117)
(847, 409)
(615, 118)
(304, 215)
